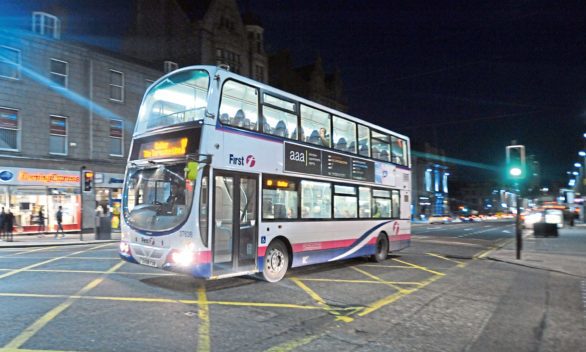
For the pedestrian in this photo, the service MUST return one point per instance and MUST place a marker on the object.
(59, 218)
(41, 220)
(2, 217)
(8, 225)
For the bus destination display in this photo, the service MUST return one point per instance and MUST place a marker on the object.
(307, 160)
(163, 148)
(171, 145)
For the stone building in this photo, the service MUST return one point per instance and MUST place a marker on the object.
(430, 174)
(310, 81)
(180, 33)
(63, 106)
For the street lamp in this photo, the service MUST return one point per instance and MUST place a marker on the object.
(577, 165)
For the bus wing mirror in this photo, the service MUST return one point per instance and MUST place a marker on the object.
(191, 170)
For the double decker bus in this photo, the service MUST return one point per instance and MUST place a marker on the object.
(227, 176)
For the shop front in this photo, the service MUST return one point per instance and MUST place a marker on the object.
(109, 196)
(36, 194)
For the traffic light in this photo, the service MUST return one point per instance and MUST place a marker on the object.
(516, 167)
(88, 180)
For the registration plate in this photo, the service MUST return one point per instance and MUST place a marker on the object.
(149, 262)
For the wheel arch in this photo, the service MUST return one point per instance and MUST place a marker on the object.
(289, 248)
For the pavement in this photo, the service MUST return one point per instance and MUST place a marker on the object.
(564, 254)
(48, 239)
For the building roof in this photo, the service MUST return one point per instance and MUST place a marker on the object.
(195, 10)
(251, 19)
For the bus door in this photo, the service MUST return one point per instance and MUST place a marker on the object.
(235, 222)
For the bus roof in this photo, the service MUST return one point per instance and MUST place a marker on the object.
(213, 70)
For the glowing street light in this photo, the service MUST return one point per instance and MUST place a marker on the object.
(582, 153)
(577, 165)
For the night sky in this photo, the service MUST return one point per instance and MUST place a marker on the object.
(466, 76)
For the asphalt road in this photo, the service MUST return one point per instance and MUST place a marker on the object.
(434, 296)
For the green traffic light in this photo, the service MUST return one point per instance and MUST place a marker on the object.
(516, 172)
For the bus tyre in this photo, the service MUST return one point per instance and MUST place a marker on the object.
(382, 249)
(276, 261)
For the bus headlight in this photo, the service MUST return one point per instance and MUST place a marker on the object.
(183, 257)
(124, 248)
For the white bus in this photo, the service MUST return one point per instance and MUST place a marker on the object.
(228, 176)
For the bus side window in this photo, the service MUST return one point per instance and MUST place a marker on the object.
(240, 104)
(315, 125)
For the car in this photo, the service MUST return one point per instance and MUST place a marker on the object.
(550, 216)
(465, 218)
(439, 219)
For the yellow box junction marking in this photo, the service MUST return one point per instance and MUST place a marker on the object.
(376, 278)
(16, 271)
(203, 341)
(459, 263)
(45, 319)
(320, 301)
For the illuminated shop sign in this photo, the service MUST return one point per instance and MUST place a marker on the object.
(25, 176)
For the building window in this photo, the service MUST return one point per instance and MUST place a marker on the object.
(9, 129)
(427, 180)
(58, 135)
(46, 24)
(170, 66)
(116, 85)
(445, 182)
(59, 72)
(229, 58)
(9, 62)
(259, 73)
(116, 138)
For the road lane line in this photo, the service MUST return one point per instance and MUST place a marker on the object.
(174, 301)
(45, 319)
(203, 341)
(374, 277)
(26, 350)
(486, 252)
(364, 281)
(320, 301)
(19, 252)
(389, 266)
(459, 263)
(294, 344)
(419, 267)
(93, 272)
(16, 271)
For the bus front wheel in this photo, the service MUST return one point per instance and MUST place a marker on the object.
(382, 248)
(276, 261)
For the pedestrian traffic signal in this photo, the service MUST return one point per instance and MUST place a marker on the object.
(88, 180)
(516, 167)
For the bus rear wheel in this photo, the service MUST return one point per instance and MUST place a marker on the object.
(382, 249)
(276, 261)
